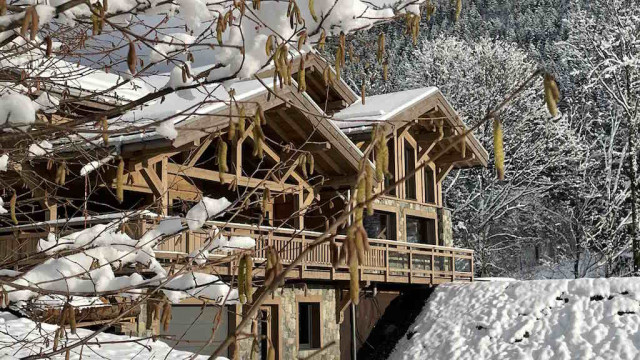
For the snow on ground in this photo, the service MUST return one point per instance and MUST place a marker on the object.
(20, 337)
(542, 319)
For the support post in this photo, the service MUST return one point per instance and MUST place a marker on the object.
(354, 350)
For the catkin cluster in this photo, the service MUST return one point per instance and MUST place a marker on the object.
(67, 316)
(551, 94)
(221, 159)
(498, 147)
(379, 142)
(30, 22)
(245, 276)
(274, 266)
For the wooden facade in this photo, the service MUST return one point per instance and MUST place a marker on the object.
(410, 247)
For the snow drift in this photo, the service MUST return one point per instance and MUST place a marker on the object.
(543, 319)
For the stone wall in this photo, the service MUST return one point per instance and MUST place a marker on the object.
(401, 207)
(445, 228)
(287, 300)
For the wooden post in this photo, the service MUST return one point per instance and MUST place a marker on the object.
(386, 260)
(433, 266)
(410, 264)
(453, 266)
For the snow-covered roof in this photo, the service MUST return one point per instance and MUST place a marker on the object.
(379, 107)
(81, 80)
(542, 319)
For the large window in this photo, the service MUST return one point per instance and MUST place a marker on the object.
(429, 186)
(308, 325)
(409, 166)
(390, 179)
(380, 225)
(421, 230)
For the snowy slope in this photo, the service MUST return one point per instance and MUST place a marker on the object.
(544, 319)
(20, 337)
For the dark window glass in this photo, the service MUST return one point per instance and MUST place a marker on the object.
(421, 230)
(380, 225)
(390, 179)
(430, 189)
(409, 166)
(309, 325)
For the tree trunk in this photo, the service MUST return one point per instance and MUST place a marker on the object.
(633, 170)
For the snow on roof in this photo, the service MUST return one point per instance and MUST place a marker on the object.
(379, 107)
(81, 80)
(541, 319)
(190, 103)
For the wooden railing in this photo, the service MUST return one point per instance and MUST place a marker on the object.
(387, 260)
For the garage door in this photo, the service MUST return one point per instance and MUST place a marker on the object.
(192, 326)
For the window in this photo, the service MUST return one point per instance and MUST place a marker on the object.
(380, 225)
(421, 230)
(308, 325)
(390, 179)
(429, 186)
(409, 166)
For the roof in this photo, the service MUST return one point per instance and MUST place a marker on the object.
(379, 108)
(403, 107)
(81, 80)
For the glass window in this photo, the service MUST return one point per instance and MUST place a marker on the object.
(421, 230)
(308, 325)
(391, 178)
(409, 166)
(380, 225)
(429, 186)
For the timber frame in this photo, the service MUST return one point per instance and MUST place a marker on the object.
(170, 175)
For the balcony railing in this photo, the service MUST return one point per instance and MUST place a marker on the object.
(386, 261)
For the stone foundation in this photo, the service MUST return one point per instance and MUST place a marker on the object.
(286, 302)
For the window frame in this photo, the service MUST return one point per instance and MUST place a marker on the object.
(408, 167)
(424, 218)
(315, 339)
(430, 185)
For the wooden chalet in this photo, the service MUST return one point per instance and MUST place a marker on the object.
(410, 232)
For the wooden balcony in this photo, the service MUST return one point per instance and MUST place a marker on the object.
(387, 261)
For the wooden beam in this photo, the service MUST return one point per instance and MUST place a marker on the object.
(454, 158)
(211, 175)
(152, 180)
(337, 182)
(199, 151)
(442, 172)
(316, 147)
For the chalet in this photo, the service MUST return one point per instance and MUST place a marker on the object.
(410, 231)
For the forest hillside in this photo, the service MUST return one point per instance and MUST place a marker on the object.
(564, 209)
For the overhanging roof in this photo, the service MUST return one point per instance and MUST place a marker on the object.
(405, 107)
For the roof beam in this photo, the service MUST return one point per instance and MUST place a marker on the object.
(211, 175)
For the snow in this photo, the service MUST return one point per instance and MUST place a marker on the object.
(16, 109)
(200, 285)
(204, 210)
(47, 103)
(20, 337)
(4, 160)
(378, 108)
(540, 319)
(2, 209)
(82, 81)
(40, 149)
(167, 129)
(94, 165)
